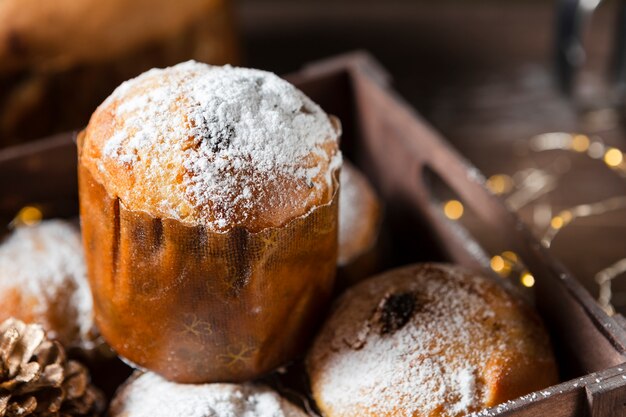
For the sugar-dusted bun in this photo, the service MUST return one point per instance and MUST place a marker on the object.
(209, 209)
(149, 395)
(223, 147)
(427, 340)
(359, 227)
(43, 280)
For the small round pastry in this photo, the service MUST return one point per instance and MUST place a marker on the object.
(43, 280)
(208, 200)
(359, 223)
(427, 340)
(149, 395)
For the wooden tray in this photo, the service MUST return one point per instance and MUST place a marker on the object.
(413, 169)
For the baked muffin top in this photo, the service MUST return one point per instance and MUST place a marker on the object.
(43, 279)
(149, 395)
(222, 147)
(427, 340)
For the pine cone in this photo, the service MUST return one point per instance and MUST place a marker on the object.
(36, 379)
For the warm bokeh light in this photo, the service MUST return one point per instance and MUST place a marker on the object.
(510, 256)
(502, 264)
(497, 263)
(28, 216)
(596, 150)
(613, 157)
(556, 222)
(527, 279)
(453, 209)
(500, 184)
(580, 143)
(566, 215)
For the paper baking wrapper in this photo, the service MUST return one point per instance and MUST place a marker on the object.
(198, 306)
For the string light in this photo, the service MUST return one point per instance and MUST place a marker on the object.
(529, 185)
(453, 209)
(27, 216)
(550, 141)
(583, 210)
(527, 279)
(604, 278)
(567, 216)
(497, 263)
(506, 263)
(556, 222)
(596, 150)
(500, 184)
(580, 143)
(510, 256)
(613, 157)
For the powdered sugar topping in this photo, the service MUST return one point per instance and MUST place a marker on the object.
(434, 363)
(149, 395)
(230, 130)
(45, 264)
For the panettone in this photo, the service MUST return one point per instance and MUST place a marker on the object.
(209, 209)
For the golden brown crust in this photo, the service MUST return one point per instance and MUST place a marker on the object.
(39, 34)
(156, 179)
(427, 341)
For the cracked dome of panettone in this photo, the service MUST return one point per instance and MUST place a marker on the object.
(217, 146)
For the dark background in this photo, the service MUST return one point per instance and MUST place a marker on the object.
(428, 46)
(482, 73)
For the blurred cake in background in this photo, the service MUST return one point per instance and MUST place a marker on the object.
(360, 215)
(59, 60)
